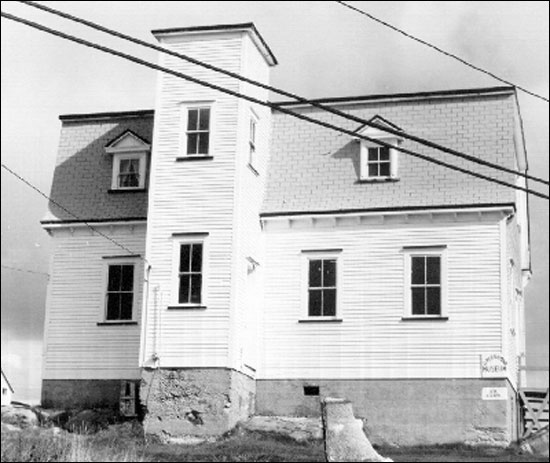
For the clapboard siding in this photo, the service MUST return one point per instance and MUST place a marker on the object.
(373, 341)
(249, 187)
(193, 197)
(75, 346)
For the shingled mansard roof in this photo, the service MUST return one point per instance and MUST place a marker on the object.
(314, 169)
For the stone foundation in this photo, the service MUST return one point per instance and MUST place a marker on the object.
(404, 412)
(81, 393)
(194, 401)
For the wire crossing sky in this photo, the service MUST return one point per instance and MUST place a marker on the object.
(298, 98)
(436, 48)
(266, 103)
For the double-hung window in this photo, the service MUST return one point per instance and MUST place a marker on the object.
(252, 153)
(189, 271)
(129, 175)
(321, 281)
(425, 282)
(120, 291)
(198, 131)
(130, 154)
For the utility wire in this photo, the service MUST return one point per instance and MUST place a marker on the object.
(263, 103)
(17, 269)
(40, 192)
(436, 48)
(285, 93)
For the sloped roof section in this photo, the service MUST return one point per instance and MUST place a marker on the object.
(83, 172)
(313, 168)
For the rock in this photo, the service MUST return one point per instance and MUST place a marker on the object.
(9, 428)
(298, 429)
(344, 436)
(19, 416)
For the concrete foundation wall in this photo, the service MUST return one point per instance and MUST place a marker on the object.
(81, 393)
(404, 412)
(194, 401)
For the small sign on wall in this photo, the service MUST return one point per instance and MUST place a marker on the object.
(493, 365)
(494, 393)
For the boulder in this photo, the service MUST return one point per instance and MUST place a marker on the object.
(344, 436)
(21, 417)
(298, 429)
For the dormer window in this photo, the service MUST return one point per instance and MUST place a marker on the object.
(379, 162)
(129, 153)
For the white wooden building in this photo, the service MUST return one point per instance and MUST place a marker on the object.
(257, 263)
(7, 390)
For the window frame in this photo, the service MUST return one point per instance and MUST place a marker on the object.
(111, 261)
(252, 144)
(393, 159)
(306, 257)
(185, 107)
(425, 251)
(178, 241)
(122, 156)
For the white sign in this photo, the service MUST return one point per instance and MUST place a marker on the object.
(494, 393)
(493, 365)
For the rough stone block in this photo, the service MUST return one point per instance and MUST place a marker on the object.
(344, 436)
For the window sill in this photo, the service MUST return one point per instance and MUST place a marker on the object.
(126, 190)
(321, 320)
(186, 307)
(420, 318)
(193, 158)
(117, 323)
(379, 180)
(254, 171)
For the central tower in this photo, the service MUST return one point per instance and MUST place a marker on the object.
(201, 319)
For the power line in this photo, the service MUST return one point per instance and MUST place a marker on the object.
(40, 192)
(285, 93)
(440, 50)
(264, 103)
(17, 269)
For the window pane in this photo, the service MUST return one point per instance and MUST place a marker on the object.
(329, 302)
(418, 301)
(128, 180)
(418, 270)
(329, 273)
(434, 301)
(127, 283)
(384, 153)
(203, 143)
(126, 300)
(384, 169)
(185, 257)
(184, 290)
(433, 270)
(252, 131)
(113, 306)
(315, 302)
(315, 271)
(192, 118)
(373, 154)
(192, 143)
(196, 286)
(114, 278)
(124, 166)
(204, 122)
(373, 170)
(196, 263)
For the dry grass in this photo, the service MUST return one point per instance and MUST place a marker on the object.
(125, 443)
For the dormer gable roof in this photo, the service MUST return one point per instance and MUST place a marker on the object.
(375, 132)
(128, 141)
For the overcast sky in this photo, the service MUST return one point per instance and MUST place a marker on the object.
(324, 50)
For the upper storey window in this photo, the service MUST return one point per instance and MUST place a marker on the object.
(379, 162)
(129, 161)
(196, 130)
